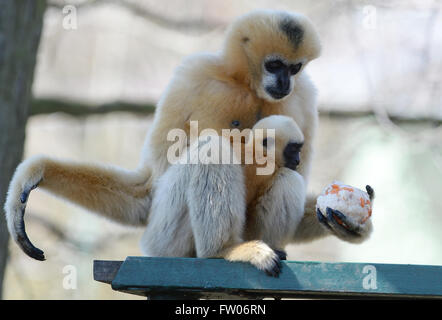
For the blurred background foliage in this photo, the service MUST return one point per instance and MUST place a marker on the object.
(380, 92)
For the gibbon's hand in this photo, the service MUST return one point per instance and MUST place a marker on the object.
(275, 268)
(282, 255)
(338, 223)
(27, 177)
(345, 227)
(22, 237)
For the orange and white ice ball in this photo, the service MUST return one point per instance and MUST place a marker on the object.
(351, 201)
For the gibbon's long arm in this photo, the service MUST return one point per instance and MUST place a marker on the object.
(117, 194)
(314, 225)
(309, 228)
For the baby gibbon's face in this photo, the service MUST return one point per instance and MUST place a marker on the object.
(285, 146)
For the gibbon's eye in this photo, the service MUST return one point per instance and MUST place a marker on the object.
(273, 66)
(235, 123)
(264, 142)
(294, 68)
(297, 146)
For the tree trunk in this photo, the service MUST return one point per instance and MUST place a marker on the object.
(20, 29)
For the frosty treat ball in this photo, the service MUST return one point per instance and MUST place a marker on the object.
(352, 202)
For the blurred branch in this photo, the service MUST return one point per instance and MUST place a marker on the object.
(79, 109)
(142, 11)
(395, 119)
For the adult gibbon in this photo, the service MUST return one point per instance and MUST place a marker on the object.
(259, 72)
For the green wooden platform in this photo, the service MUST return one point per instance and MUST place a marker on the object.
(190, 278)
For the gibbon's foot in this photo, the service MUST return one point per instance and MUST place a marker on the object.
(282, 255)
(344, 227)
(258, 253)
(274, 268)
(265, 258)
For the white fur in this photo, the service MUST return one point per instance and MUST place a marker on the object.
(169, 232)
(198, 210)
(280, 210)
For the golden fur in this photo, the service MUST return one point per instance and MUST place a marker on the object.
(224, 86)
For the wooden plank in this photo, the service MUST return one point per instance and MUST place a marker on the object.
(218, 277)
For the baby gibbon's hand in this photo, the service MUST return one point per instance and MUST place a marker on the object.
(344, 227)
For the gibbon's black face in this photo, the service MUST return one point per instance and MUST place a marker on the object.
(277, 79)
(291, 155)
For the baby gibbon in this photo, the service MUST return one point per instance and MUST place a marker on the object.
(275, 202)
